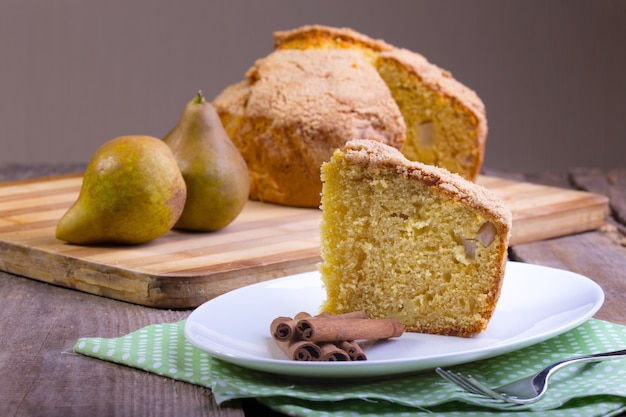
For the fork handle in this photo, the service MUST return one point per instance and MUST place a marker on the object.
(596, 357)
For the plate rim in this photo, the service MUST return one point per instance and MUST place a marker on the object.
(376, 368)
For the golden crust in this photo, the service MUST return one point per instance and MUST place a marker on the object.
(324, 36)
(327, 90)
(295, 109)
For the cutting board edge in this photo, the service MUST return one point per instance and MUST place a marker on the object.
(167, 290)
(597, 216)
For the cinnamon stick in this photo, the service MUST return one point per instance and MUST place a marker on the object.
(333, 353)
(330, 330)
(353, 349)
(283, 328)
(300, 350)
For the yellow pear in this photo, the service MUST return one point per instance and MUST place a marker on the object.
(132, 192)
(217, 178)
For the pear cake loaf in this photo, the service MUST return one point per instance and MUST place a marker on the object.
(287, 118)
(408, 241)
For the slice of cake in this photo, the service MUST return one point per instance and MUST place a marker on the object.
(445, 121)
(409, 241)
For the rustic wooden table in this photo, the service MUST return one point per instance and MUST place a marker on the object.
(39, 323)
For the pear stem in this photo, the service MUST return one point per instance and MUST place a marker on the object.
(200, 98)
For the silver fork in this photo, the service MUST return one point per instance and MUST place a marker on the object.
(526, 390)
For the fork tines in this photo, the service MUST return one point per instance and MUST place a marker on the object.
(468, 383)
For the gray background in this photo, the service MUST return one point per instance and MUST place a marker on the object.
(76, 73)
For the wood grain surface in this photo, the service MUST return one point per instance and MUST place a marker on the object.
(42, 376)
(183, 269)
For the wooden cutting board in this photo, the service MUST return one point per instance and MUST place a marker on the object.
(183, 270)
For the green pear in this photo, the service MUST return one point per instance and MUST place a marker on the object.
(217, 177)
(132, 192)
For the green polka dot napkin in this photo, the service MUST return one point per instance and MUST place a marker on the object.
(581, 390)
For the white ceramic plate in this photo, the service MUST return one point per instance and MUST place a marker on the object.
(536, 303)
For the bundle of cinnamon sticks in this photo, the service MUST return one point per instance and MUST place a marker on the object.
(328, 337)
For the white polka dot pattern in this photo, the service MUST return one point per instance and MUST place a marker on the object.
(581, 390)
